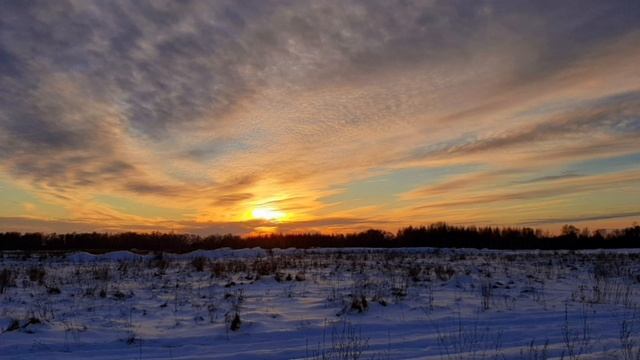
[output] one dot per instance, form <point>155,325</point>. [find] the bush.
<point>7,279</point>
<point>444,273</point>
<point>101,273</point>
<point>235,323</point>
<point>199,263</point>
<point>345,343</point>
<point>13,326</point>
<point>359,304</point>
<point>217,269</point>
<point>37,274</point>
<point>53,290</point>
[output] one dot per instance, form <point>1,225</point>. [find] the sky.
<point>266,116</point>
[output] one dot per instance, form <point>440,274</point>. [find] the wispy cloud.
<point>593,183</point>
<point>568,175</point>
<point>584,218</point>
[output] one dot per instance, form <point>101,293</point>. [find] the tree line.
<point>435,235</point>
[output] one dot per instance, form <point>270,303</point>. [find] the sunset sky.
<point>260,116</point>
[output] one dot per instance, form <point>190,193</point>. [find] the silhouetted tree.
<point>434,235</point>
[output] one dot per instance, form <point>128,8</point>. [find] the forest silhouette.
<point>438,235</point>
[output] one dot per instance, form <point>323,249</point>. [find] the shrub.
<point>265,267</point>
<point>159,262</point>
<point>218,269</point>
<point>414,273</point>
<point>7,279</point>
<point>444,273</point>
<point>345,343</point>
<point>37,274</point>
<point>199,263</point>
<point>235,323</point>
<point>486,291</point>
<point>280,276</point>
<point>53,290</point>
<point>101,273</point>
<point>359,304</point>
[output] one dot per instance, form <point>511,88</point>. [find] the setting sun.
<point>270,214</point>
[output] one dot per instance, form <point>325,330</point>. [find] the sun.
<point>267,213</point>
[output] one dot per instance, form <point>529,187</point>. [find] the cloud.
<point>584,218</point>
<point>218,106</point>
<point>231,199</point>
<point>22,224</point>
<point>551,178</point>
<point>56,138</point>
<point>618,114</point>
<point>586,184</point>
<point>459,183</point>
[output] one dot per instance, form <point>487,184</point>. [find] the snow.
<point>421,303</point>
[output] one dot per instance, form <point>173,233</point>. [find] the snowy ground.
<point>322,304</point>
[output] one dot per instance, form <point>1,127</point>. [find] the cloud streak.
<point>586,218</point>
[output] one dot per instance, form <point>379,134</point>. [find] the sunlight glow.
<point>269,214</point>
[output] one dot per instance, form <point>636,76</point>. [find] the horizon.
<point>284,117</point>
<point>539,232</point>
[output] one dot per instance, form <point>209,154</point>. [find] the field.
<point>322,304</point>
